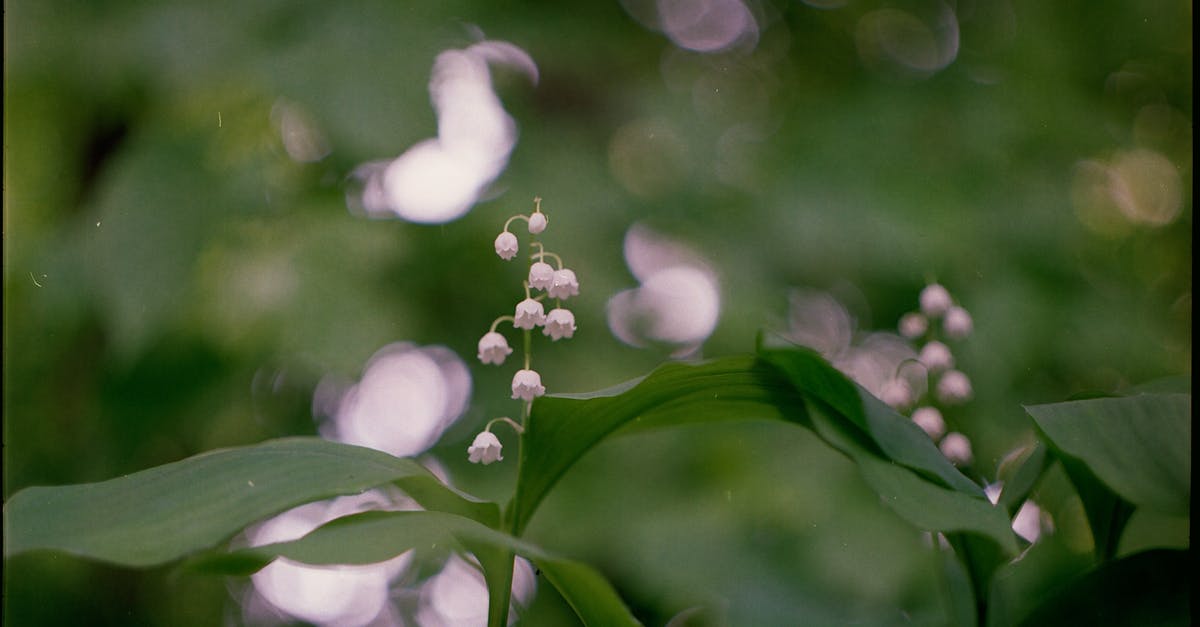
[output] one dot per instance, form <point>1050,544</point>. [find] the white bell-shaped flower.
<point>541,275</point>
<point>485,449</point>
<point>538,222</point>
<point>530,313</point>
<point>527,385</point>
<point>493,348</point>
<point>506,245</point>
<point>935,300</point>
<point>563,285</point>
<point>560,323</point>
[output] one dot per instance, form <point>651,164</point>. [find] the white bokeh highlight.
<point>678,302</point>
<point>328,596</point>
<point>439,179</point>
<point>407,397</point>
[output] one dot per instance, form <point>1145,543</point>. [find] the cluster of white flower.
<point>558,284</point>
<point>938,317</point>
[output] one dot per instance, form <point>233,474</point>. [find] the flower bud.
<point>936,356</point>
<point>538,222</point>
<point>957,448</point>
<point>913,325</point>
<point>896,394</point>
<point>958,324</point>
<point>935,300</point>
<point>954,387</point>
<point>930,420</point>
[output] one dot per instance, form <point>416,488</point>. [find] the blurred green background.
<point>175,282</point>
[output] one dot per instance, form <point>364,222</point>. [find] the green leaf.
<point>1020,471</point>
<point>1021,585</point>
<point>1139,446</point>
<point>162,514</point>
<point>373,537</point>
<point>918,482</point>
<point>897,437</point>
<point>562,428</point>
<point>1151,588</point>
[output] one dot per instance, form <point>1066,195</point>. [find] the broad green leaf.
<point>378,536</point>
<point>897,437</point>
<point>1151,588</point>
<point>1139,446</point>
<point>161,514</point>
<point>1020,471</point>
<point>562,428</point>
<point>1022,584</point>
<point>959,595</point>
<point>925,504</point>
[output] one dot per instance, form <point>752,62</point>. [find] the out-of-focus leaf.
<point>898,438</point>
<point>1022,584</point>
<point>959,593</point>
<point>1020,472</point>
<point>373,537</point>
<point>161,514</point>
<point>1179,384</point>
<point>1139,446</point>
<point>1151,588</point>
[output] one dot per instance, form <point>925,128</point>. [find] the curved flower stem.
<point>516,217</point>
<point>516,427</point>
<point>537,204</point>
<point>528,294</point>
<point>499,320</point>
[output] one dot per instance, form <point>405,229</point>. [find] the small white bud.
<point>485,449</point>
<point>957,448</point>
<point>930,420</point>
<point>935,300</point>
<point>913,325</point>
<point>954,387</point>
<point>936,356</point>
<point>958,324</point>
<point>538,222</point>
<point>506,245</point>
